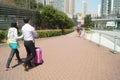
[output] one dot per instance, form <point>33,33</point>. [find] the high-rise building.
<point>110,7</point>
<point>58,4</point>
<point>115,7</point>
<point>84,7</point>
<point>66,6</point>
<point>70,6</point>
<point>99,10</point>
<point>103,7</point>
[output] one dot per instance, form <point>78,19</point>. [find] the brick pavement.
<point>65,57</point>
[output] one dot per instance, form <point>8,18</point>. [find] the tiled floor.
<point>66,57</point>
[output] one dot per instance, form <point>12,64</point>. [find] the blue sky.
<point>92,5</point>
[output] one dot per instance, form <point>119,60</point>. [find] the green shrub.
<point>109,28</point>
<point>66,31</point>
<point>50,33</point>
<point>88,30</point>
<point>41,33</point>
<point>3,35</point>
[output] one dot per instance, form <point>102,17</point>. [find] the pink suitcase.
<point>38,58</point>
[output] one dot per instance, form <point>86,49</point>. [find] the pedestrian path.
<point>66,57</point>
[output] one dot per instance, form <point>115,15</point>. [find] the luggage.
<point>38,58</point>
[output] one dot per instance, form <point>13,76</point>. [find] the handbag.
<point>7,41</point>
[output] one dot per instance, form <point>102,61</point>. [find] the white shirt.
<point>28,32</point>
<point>13,35</point>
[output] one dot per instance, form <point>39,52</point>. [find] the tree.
<point>37,18</point>
<point>53,18</point>
<point>87,21</point>
<point>47,14</point>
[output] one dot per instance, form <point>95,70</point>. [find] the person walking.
<point>78,30</point>
<point>13,44</point>
<point>29,34</point>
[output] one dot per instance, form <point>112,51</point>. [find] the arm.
<point>34,33</point>
<point>8,34</point>
<point>16,35</point>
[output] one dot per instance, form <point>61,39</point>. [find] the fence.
<point>110,41</point>
<point>8,13</point>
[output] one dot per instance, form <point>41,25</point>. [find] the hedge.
<point>50,33</point>
<point>3,35</point>
<point>41,33</point>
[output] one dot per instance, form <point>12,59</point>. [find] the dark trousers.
<point>30,49</point>
<point>13,51</point>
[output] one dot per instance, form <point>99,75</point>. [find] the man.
<point>29,34</point>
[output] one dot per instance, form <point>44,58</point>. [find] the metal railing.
<point>107,40</point>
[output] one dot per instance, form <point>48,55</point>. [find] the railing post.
<point>84,34</point>
<point>91,36</point>
<point>99,39</point>
<point>115,44</point>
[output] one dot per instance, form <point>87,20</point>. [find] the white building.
<point>99,10</point>
<point>66,6</point>
<point>84,7</point>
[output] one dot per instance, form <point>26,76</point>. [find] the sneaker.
<point>9,68</point>
<point>25,66</point>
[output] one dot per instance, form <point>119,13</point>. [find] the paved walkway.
<point>65,57</point>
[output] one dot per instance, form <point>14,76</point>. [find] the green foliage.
<point>88,30</point>
<point>48,16</point>
<point>53,18</point>
<point>51,33</point>
<point>109,28</point>
<point>69,23</point>
<point>37,18</point>
<point>3,35</point>
<point>39,6</point>
<point>60,18</point>
<point>66,31</point>
<point>87,21</point>
<point>41,33</point>
<point>48,33</point>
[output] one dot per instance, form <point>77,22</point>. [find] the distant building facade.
<point>84,7</point>
<point>99,10</point>
<point>66,6</point>
<point>109,7</point>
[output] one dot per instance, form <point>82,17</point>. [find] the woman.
<point>78,30</point>
<point>13,44</point>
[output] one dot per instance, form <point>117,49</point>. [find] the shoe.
<point>25,66</point>
<point>9,68</point>
<point>20,62</point>
<point>30,65</point>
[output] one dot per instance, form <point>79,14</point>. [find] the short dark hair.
<point>26,20</point>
